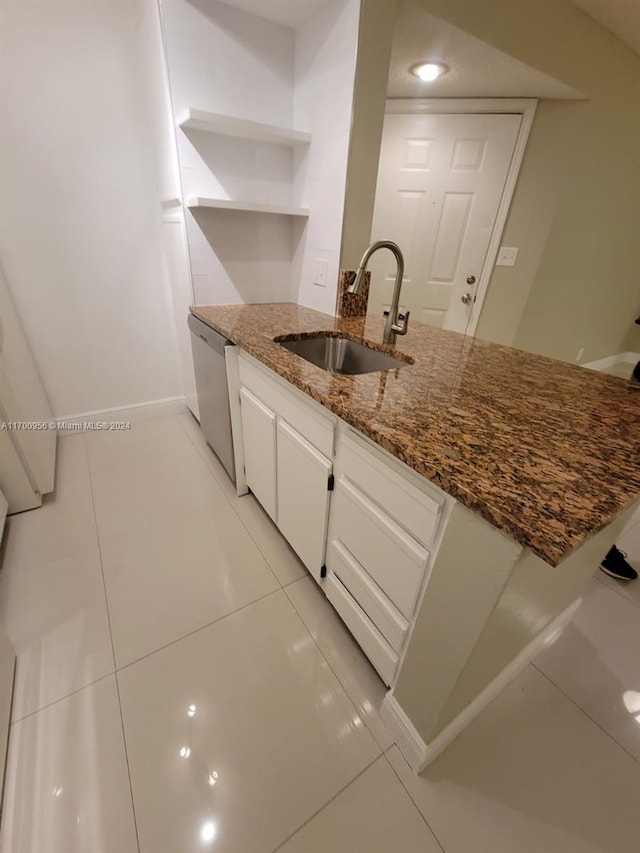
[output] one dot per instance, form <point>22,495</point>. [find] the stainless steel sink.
<point>341,355</point>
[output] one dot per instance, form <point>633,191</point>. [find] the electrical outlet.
<point>507,256</point>
<point>320,272</point>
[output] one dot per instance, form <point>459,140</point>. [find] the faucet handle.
<point>402,326</point>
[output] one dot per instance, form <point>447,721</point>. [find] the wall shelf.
<point>192,119</point>
<point>247,206</point>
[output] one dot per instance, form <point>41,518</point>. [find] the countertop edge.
<point>492,514</point>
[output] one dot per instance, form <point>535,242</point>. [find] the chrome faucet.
<point>396,323</point>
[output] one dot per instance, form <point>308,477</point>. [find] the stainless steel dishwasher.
<point>213,393</point>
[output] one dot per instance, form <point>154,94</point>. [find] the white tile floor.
<point>146,587</point>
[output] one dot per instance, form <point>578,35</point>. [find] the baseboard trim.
<point>403,732</point>
<point>131,414</point>
<point>409,741</point>
<point>605,363</point>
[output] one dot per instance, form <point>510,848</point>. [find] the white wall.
<point>80,232</point>
<point>225,60</point>
<point>325,65</point>
<point>151,74</point>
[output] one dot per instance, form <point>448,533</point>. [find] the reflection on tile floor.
<point>183,685</point>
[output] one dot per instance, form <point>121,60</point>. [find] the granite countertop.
<point>547,452</point>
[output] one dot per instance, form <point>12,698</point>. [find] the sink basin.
<point>341,355</point>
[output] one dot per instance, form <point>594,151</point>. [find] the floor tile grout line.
<point>231,504</point>
<point>7,573</point>
<point>62,698</point>
<point>295,580</point>
<point>242,521</point>
<point>13,573</point>
<point>117,683</point>
<point>197,630</point>
<point>117,668</point>
<point>586,713</point>
<point>616,590</point>
<point>408,793</point>
<point>327,803</point>
<point>328,662</point>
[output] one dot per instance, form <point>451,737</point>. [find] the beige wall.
<point>487,599</point>
<point>575,213</point>
<point>377,21</point>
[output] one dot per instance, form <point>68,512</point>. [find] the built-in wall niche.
<point>262,111</point>
<point>238,164</point>
<point>242,256</point>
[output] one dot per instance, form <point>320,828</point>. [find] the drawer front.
<point>392,558</point>
<point>309,420</point>
<point>387,619</point>
<point>370,640</point>
<point>415,509</point>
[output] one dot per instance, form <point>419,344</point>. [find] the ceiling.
<point>292,13</point>
<point>476,68</point>
<point>621,17</point>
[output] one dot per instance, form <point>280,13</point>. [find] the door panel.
<point>259,440</point>
<point>303,496</point>
<point>440,182</point>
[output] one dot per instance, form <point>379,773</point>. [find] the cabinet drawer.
<point>387,619</point>
<point>370,640</point>
<point>416,509</point>
<point>308,419</point>
<point>393,559</point>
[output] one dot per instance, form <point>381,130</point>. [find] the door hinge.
<point>323,571</point>
<point>331,482</point>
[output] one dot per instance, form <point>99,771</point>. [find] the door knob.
<point>471,279</point>
<point>467,298</point>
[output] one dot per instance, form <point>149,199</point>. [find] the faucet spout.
<point>396,324</point>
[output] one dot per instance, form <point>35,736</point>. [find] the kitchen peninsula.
<point>525,470</point>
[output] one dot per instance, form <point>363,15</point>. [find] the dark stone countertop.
<point>545,451</point>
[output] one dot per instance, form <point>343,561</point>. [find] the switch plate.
<point>507,256</point>
<point>320,272</point>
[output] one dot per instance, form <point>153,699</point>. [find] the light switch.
<point>320,272</point>
<point>507,256</point>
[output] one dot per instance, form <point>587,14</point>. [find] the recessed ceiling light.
<point>429,71</point>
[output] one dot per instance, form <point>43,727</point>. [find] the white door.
<point>259,441</point>
<point>303,497</point>
<point>440,182</point>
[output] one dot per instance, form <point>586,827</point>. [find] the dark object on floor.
<point>636,372</point>
<point>616,565</point>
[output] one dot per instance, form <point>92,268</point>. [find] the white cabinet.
<point>259,439</point>
<point>382,529</point>
<point>303,496</point>
<point>364,525</point>
<point>288,450</point>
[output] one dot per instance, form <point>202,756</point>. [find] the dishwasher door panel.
<point>213,395</point>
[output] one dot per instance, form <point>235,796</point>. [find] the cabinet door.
<point>259,440</point>
<point>303,497</point>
